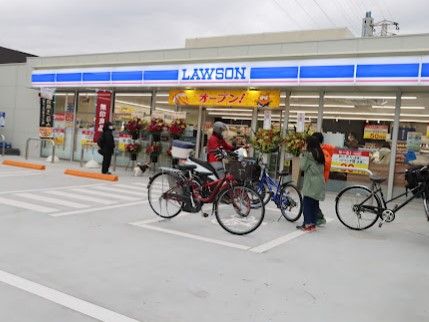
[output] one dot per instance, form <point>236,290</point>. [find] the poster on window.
<point>2,119</point>
<point>351,159</point>
<point>86,137</point>
<point>376,132</point>
<point>102,112</point>
<point>59,135</point>
<point>46,120</point>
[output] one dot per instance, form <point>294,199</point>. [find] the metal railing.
<point>27,144</point>
<point>3,141</point>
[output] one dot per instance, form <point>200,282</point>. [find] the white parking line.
<point>118,190</point>
<point>129,187</point>
<point>104,194</point>
<point>68,301</point>
<point>192,236</point>
<point>54,201</point>
<point>75,212</point>
<point>25,205</point>
<point>281,240</point>
<point>51,188</point>
<point>76,196</point>
<point>20,175</point>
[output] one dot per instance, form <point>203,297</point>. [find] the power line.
<point>379,8</point>
<point>305,10</point>
<point>351,22</point>
<point>388,10</point>
<point>287,14</point>
<point>324,12</point>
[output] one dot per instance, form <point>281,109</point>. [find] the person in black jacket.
<point>107,146</point>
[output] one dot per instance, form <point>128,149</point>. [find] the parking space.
<point>102,252</point>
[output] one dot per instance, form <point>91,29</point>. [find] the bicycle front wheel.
<point>290,202</point>
<point>357,207</point>
<point>235,210</point>
<point>165,195</point>
<point>426,204</point>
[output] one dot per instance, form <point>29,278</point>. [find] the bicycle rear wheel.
<point>165,195</point>
<point>235,210</point>
<point>357,208</point>
<point>290,202</point>
<point>426,204</point>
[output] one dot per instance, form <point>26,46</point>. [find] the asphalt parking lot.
<point>75,249</point>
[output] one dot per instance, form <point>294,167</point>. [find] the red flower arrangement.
<point>156,125</point>
<point>133,148</point>
<point>153,149</point>
<point>134,126</point>
<point>177,127</point>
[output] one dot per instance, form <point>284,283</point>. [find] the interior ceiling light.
<point>305,96</point>
<point>391,107</point>
<point>162,102</point>
<point>325,105</point>
<point>210,109</point>
<point>133,94</point>
<point>370,97</point>
<point>162,94</point>
<point>164,110</point>
<point>132,104</point>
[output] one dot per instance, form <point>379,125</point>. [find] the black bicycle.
<point>359,207</point>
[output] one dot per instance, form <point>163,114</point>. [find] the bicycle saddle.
<point>186,167</point>
<point>377,179</point>
<point>283,173</point>
<point>205,164</point>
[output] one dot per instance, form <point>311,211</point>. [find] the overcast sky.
<point>61,27</point>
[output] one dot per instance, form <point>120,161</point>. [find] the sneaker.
<point>307,228</point>
<point>320,222</point>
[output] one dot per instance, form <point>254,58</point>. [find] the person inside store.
<point>215,142</point>
<point>312,162</point>
<point>106,143</point>
<point>382,156</point>
<point>352,141</point>
<point>328,152</point>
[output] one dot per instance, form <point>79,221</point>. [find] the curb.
<point>27,165</point>
<point>91,175</point>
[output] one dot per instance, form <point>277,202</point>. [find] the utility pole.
<point>368,25</point>
<point>378,29</point>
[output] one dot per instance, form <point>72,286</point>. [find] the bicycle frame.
<point>273,185</point>
<point>378,192</point>
<point>218,185</point>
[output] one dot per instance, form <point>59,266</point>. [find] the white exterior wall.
<point>20,102</point>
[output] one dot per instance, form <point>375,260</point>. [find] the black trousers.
<point>107,159</point>
<point>311,208</point>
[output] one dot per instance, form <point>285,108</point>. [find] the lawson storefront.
<point>374,102</point>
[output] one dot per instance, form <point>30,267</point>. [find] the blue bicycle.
<point>285,195</point>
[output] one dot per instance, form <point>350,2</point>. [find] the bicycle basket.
<point>414,176</point>
<point>245,170</point>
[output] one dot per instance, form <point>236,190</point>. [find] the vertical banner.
<point>46,121</point>
<point>300,122</point>
<point>2,119</point>
<point>267,119</point>
<point>102,112</point>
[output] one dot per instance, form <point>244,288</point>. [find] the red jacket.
<point>215,142</point>
<point>328,151</point>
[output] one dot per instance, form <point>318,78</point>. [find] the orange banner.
<point>227,98</point>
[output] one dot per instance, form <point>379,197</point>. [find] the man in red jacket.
<point>215,142</point>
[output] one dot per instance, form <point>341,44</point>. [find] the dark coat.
<point>106,142</point>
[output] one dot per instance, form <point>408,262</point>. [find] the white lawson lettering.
<point>212,73</point>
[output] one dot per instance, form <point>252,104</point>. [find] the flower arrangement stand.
<point>296,170</point>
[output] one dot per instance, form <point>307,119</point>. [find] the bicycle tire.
<point>234,191</point>
<point>426,204</point>
<point>283,208</point>
<point>341,217</point>
<point>152,191</point>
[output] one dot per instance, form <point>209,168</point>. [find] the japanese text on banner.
<point>102,112</point>
<point>234,98</point>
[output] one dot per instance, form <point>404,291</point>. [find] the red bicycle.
<point>238,209</point>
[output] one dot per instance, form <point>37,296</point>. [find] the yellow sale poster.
<point>227,97</point>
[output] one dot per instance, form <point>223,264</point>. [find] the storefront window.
<point>63,126</point>
<point>85,118</point>
<point>130,106</point>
